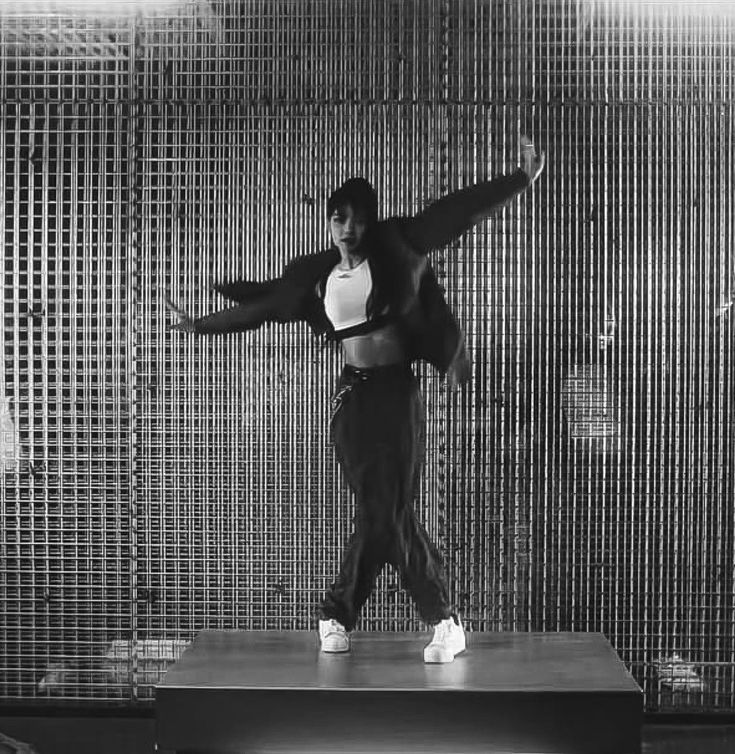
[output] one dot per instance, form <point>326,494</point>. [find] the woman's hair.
<point>358,194</point>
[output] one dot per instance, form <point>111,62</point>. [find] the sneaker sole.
<point>334,649</point>
<point>436,657</point>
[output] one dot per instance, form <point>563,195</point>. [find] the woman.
<point>375,292</point>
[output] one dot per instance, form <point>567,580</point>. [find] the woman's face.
<point>348,227</point>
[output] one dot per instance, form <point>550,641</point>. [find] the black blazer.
<point>397,255</point>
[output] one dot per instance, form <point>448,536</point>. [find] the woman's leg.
<point>414,555</point>
<point>378,434</point>
<point>354,583</point>
<point>422,569</point>
<point>361,435</point>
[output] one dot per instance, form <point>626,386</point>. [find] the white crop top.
<point>346,295</point>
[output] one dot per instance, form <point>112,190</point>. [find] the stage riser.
<point>354,721</point>
<point>275,692</point>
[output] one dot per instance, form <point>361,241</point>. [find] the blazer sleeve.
<point>448,218</point>
<point>278,300</point>
<point>247,316</point>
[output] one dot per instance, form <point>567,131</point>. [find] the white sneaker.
<point>333,636</point>
<point>449,641</point>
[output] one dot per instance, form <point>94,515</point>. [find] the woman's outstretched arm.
<point>244,316</point>
<point>281,299</point>
<point>448,218</point>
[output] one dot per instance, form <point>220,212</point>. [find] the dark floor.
<point>135,735</point>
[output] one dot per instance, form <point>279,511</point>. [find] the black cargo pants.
<point>378,430</point>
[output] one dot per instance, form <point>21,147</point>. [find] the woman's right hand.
<point>531,163</point>
<point>460,369</point>
<point>185,323</point>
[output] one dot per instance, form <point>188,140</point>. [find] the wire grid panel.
<point>65,569</point>
<point>329,51</point>
<point>636,526</point>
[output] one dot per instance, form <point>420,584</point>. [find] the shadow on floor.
<point>136,735</point>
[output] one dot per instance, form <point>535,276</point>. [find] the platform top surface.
<point>493,662</point>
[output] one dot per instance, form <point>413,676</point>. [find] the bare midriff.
<point>376,349</point>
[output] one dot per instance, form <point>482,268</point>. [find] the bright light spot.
<point>9,443</point>
<point>689,7</point>
<point>27,8</point>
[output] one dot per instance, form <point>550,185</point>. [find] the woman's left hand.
<point>531,163</point>
<point>459,371</point>
<point>186,323</point>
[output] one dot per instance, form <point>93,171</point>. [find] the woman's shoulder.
<point>308,267</point>
<point>393,235</point>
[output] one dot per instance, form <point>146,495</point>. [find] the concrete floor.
<point>136,735</point>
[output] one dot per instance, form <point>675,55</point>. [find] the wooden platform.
<point>240,691</point>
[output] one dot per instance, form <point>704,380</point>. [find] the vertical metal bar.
<point>133,287</point>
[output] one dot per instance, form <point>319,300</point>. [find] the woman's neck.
<point>350,259</point>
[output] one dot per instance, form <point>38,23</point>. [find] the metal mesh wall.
<point>156,484</point>
<point>66,523</point>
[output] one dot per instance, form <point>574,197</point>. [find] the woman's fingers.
<point>526,142</point>
<point>175,309</point>
<point>529,159</point>
<point>528,153</point>
<point>170,304</point>
<point>540,162</point>
<point>532,163</point>
<point>186,323</point>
